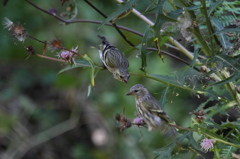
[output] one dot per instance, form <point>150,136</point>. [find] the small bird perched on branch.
<point>114,60</point>
<point>149,109</point>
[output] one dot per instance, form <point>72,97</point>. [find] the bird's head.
<point>121,75</point>
<point>138,91</point>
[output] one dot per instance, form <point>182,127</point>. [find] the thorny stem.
<point>171,84</point>
<point>203,133</point>
<point>219,140</point>
<point>54,59</point>
<point>206,134</point>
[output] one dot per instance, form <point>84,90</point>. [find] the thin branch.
<point>82,20</point>
<point>67,21</point>
<point>59,60</point>
<point>175,57</point>
<point>49,58</point>
<point>114,25</point>
<point>170,83</point>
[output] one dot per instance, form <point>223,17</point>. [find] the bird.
<point>150,110</point>
<point>114,60</point>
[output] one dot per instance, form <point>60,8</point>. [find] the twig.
<point>175,57</point>
<point>114,25</point>
<point>63,48</point>
<point>82,20</point>
<point>59,60</point>
<point>49,58</point>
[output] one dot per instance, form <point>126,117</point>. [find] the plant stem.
<point>49,58</point>
<point>209,25</point>
<point>59,60</point>
<point>171,84</point>
<point>220,140</point>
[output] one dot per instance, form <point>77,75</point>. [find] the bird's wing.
<point>114,58</point>
<point>155,108</point>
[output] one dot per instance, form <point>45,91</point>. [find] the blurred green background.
<point>35,99</point>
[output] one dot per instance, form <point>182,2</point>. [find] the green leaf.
<point>165,152</point>
<point>202,105</point>
<point>79,63</point>
<point>217,109</point>
<point>196,53</point>
<point>90,86</point>
<point>216,153</point>
<point>207,132</point>
<point>123,8</point>
<point>227,152</point>
<point>175,14</point>
<point>227,80</point>
<point>149,8</point>
<point>89,90</point>
<point>213,6</point>
<point>229,30</point>
<point>93,68</point>
<point>193,142</point>
<point>161,18</point>
<point>163,99</point>
<point>223,39</point>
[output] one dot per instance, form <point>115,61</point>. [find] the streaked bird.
<point>114,60</point>
<point>150,110</point>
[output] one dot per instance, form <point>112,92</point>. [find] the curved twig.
<point>114,25</point>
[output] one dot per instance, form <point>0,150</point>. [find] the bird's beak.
<point>125,80</point>
<point>129,93</point>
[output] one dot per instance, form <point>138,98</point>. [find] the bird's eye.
<point>121,77</point>
<point>135,91</point>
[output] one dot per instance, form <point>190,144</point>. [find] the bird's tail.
<point>168,130</point>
